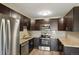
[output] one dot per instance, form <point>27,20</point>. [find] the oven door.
<point>44,42</point>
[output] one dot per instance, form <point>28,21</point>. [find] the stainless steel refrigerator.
<point>9,35</point>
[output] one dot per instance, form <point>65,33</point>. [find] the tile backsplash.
<point>24,34</point>
<point>73,35</point>
<point>58,34</point>
<point>54,34</point>
<point>35,33</point>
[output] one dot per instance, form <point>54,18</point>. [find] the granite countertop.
<point>24,36</point>
<point>70,42</point>
<point>25,39</point>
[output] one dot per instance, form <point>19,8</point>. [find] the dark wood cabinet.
<point>61,24</point>
<point>36,43</point>
<point>4,10</point>
<point>76,19</point>
<point>60,46</point>
<point>32,26</point>
<point>71,50</point>
<point>24,21</point>
<point>38,23</point>
<point>70,21</point>
<point>31,44</point>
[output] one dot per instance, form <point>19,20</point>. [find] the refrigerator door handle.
<point>9,38</point>
<point>1,50</point>
<point>4,36</point>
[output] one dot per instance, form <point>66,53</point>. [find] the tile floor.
<point>43,52</point>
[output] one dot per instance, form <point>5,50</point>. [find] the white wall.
<point>73,35</point>
<point>35,33</point>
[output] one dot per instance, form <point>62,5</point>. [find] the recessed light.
<point>45,13</point>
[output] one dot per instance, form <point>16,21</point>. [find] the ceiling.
<point>31,9</point>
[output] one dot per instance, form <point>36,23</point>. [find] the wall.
<point>35,33</point>
<point>54,34</point>
<point>73,35</point>
<point>60,34</point>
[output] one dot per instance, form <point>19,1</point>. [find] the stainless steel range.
<point>45,37</point>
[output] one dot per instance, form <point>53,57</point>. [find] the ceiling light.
<point>45,13</point>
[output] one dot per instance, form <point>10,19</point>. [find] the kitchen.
<point>45,34</point>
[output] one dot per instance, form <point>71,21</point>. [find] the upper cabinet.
<point>70,22</point>
<point>24,21</point>
<point>4,10</point>
<point>61,24</point>
<point>38,22</point>
<point>76,19</point>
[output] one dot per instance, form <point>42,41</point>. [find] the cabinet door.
<point>36,43</point>
<point>4,10</point>
<point>54,44</point>
<point>31,45</point>
<point>76,19</point>
<point>71,50</point>
<point>24,22</point>
<point>24,48</point>
<point>69,21</point>
<point>61,24</point>
<point>32,26</point>
<point>60,46</point>
<point>38,23</point>
<point>28,23</point>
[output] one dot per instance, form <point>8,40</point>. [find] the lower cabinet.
<point>24,48</point>
<point>31,44</point>
<point>27,47</point>
<point>60,46</point>
<point>36,43</point>
<point>54,44</point>
<point>71,51</point>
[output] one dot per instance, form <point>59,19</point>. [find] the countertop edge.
<point>25,40</point>
<point>67,45</point>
